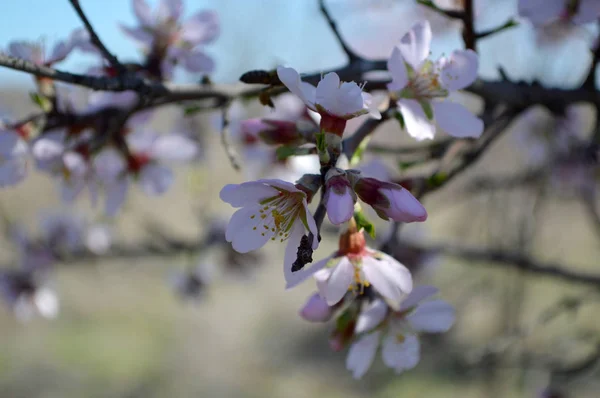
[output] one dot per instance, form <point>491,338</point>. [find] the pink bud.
<point>316,309</point>
<point>390,200</point>
<point>272,132</point>
<point>339,197</point>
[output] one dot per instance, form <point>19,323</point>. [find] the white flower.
<point>36,51</point>
<point>355,266</point>
<point>13,158</point>
<point>270,210</point>
<point>400,345</point>
<point>421,86</point>
<point>541,12</point>
<point>331,97</point>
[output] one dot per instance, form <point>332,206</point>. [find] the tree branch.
<point>469,35</point>
<point>349,52</point>
<point>96,40</point>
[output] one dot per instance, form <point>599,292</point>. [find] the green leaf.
<point>360,151</point>
<point>407,165</point>
<point>344,320</point>
<point>427,109</point>
<point>437,179</point>
<point>363,222</point>
<point>284,152</point>
<point>191,110</point>
<point>400,119</point>
<point>42,102</point>
<point>321,142</point>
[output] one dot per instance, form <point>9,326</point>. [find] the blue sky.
<point>265,33</point>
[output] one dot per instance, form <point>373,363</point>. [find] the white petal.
<point>388,277</point>
<point>401,356</point>
<point>588,11</point>
<point>291,79</point>
<point>457,120</point>
<point>196,61</point>
<point>321,278</point>
<point>143,13</point>
<point>295,278</point>
<point>397,69</point>
<point>59,52</point>
<point>46,303</point>
<point>541,11</point>
<point>361,354</point>
<point>170,10</point>
<point>142,36</point>
<point>174,147</point>
<point>21,50</point>
<point>116,193</point>
<point>339,281</point>
<point>12,172</point>
<point>108,165</point>
<point>418,294</point>
<point>415,44</point>
<point>417,124</point>
<point>238,195</point>
<point>371,316</point>
<point>340,208</point>
<point>459,70</point>
<point>240,230</point>
<point>432,316</point>
<point>201,28</point>
<point>156,179</point>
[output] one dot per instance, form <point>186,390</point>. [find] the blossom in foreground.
<point>541,12</point>
<point>354,266</point>
<point>162,35</point>
<point>36,52</point>
<point>334,100</point>
<point>316,309</point>
<point>13,157</point>
<point>339,197</point>
<point>269,210</point>
<point>397,331</point>
<point>421,86</point>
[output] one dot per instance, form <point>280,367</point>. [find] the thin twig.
<point>449,13</point>
<point>469,35</point>
<point>352,56</point>
<point>229,150</point>
<point>96,40</point>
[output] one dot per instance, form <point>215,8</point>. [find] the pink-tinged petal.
<point>404,207</point>
<point>588,11</point>
<point>371,105</point>
<point>321,278</point>
<point>8,143</point>
<point>48,149</point>
<point>80,39</point>
<point>418,294</point>
<point>115,195</point>
<point>70,190</point>
<point>174,148</point>
<point>390,278</point>
<point>401,354</point>
<point>21,49</point>
<point>340,208</point>
<point>59,52</point>
<point>457,120</point>
<point>361,354</point>
<point>240,231</point>
<point>540,12</point>
<point>415,44</point>
<point>397,69</point>
<point>459,70</point>
<point>417,124</point>
<point>141,35</point>
<point>432,316</point>
<point>285,185</point>
<point>238,195</point>
<point>109,165</point>
<point>12,171</point>
<point>316,309</point>
<point>143,13</point>
<point>170,9</point>
<point>371,316</point>
<point>312,226</point>
<point>291,79</point>
<point>201,28</point>
<point>327,89</point>
<point>156,179</point>
<point>293,279</point>
<point>339,281</point>
<point>196,61</point>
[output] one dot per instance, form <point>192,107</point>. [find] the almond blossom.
<point>421,86</point>
<point>14,152</point>
<point>269,210</point>
<point>26,296</point>
<point>334,100</point>
<point>397,331</point>
<point>541,12</point>
<point>36,52</point>
<point>162,35</point>
<point>355,266</point>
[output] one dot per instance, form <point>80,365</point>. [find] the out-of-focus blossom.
<point>270,210</point>
<point>316,309</point>
<point>421,86</point>
<point>334,100</point>
<point>36,52</point>
<point>191,284</point>
<point>98,238</point>
<point>25,295</point>
<point>13,157</point>
<point>62,231</point>
<point>164,37</point>
<point>542,12</point>
<point>397,331</point>
<point>355,266</point>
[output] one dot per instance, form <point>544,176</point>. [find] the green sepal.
<point>363,222</point>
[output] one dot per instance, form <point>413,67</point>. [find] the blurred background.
<point>123,331</point>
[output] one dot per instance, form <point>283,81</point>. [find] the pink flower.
<point>421,86</point>
<point>36,51</point>
<point>316,309</point>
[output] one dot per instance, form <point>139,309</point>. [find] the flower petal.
<point>459,70</point>
<point>238,195</point>
<point>240,230</point>
<point>201,28</point>
<point>361,354</point>
<point>196,61</point>
<point>340,208</point>
<point>293,279</point>
<point>156,179</point>
<point>418,294</point>
<point>339,281</point>
<point>588,11</point>
<point>417,124</point>
<point>457,120</point>
<point>371,316</point>
<point>115,195</point>
<point>403,355</point>
<point>169,10</point>
<point>415,44</point>
<point>141,35</point>
<point>291,79</point>
<point>432,316</point>
<point>142,12</point>
<point>397,69</point>
<point>390,278</point>
<point>173,147</point>
<point>540,12</point>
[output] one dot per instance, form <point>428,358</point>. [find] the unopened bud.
<point>339,197</point>
<point>273,132</point>
<point>316,309</point>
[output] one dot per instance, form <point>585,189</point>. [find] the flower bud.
<point>273,132</point>
<point>309,184</point>
<point>316,309</point>
<point>390,201</point>
<point>339,197</point>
